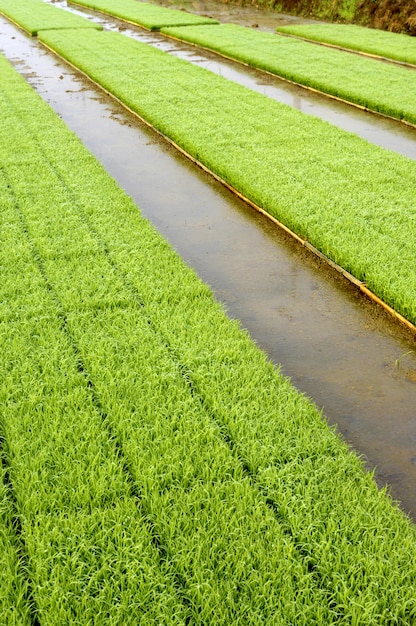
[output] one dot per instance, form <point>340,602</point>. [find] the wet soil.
<point>340,349</point>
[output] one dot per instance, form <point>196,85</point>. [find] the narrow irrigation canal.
<point>342,350</point>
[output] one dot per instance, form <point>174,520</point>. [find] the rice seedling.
<point>215,531</point>
<point>74,545</point>
<point>352,200</point>
<point>34,15</point>
<point>379,87</point>
<point>150,16</point>
<point>396,46</point>
<point>164,471</point>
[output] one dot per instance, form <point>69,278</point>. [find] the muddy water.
<point>381,131</point>
<point>340,349</point>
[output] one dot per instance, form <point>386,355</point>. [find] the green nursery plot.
<point>380,87</point>
<point>217,532</point>
<point>82,551</point>
<point>350,199</point>
<point>396,46</point>
<point>35,15</point>
<point>163,469</point>
<point>150,16</point>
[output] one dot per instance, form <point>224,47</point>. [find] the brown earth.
<point>392,15</point>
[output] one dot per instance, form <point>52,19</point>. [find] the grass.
<point>379,87</point>
<point>162,469</point>
<point>382,43</point>
<point>34,16</point>
<point>148,15</point>
<point>352,200</point>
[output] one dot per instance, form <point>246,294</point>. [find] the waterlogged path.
<point>340,349</point>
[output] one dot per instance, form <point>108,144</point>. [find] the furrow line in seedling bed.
<point>326,185</point>
<point>17,605</point>
<point>178,454</point>
<point>394,47</point>
<point>124,461</point>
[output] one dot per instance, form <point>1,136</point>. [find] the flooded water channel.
<point>356,362</point>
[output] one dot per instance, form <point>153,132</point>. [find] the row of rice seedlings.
<point>360,549</point>
<point>87,553</point>
<point>91,556</point>
<point>352,200</point>
<point>396,46</point>
<point>150,16</point>
<point>354,540</point>
<point>236,563</point>
<point>15,605</point>
<point>34,15</point>
<point>285,444</point>
<point>379,87</point>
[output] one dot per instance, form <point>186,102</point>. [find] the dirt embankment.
<point>394,15</point>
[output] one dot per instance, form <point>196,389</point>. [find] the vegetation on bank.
<point>352,200</point>
<point>34,15</point>
<point>397,16</point>
<point>161,469</point>
<point>380,87</point>
<point>394,46</point>
<point>145,14</point>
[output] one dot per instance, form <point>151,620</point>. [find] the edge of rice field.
<point>101,309</point>
<point>25,15</point>
<point>142,14</point>
<point>338,36</point>
<point>286,80</point>
<point>378,57</point>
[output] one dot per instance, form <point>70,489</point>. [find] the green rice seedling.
<point>351,200</point>
<point>150,16</point>
<point>90,553</point>
<point>296,459</point>
<point>236,563</point>
<point>216,531</point>
<point>396,46</point>
<point>163,469</point>
<point>204,511</point>
<point>34,15</point>
<point>379,87</point>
